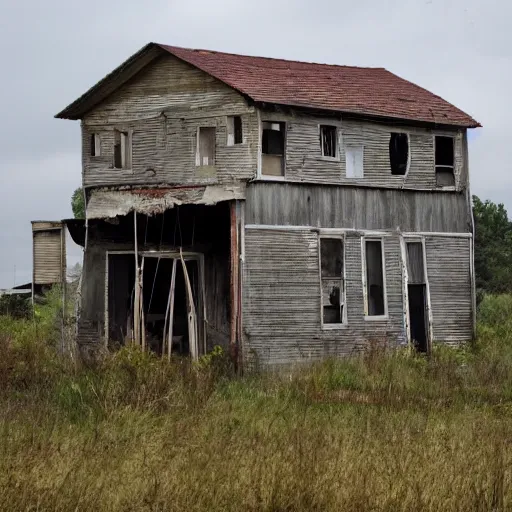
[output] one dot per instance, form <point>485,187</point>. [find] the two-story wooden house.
<point>287,210</point>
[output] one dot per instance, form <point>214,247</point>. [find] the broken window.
<point>375,289</point>
<point>122,150</point>
<point>235,134</point>
<point>332,280</point>
<point>95,144</point>
<point>398,153</point>
<point>354,162</point>
<point>205,153</point>
<point>415,267</point>
<point>444,161</point>
<point>328,139</point>
<point>272,148</point>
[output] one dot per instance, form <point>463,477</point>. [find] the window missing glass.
<point>122,150</point>
<point>328,140</point>
<point>332,280</point>
<point>205,152</point>
<point>444,161</point>
<point>354,162</point>
<point>398,153</point>
<point>272,148</point>
<point>374,270</point>
<point>235,133</point>
<point>95,144</point>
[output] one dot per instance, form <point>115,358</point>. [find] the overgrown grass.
<point>382,431</point>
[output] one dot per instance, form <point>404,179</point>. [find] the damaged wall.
<point>162,108</point>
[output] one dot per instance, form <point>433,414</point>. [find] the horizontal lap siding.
<point>282,299</point>
<point>48,251</point>
<point>448,267</point>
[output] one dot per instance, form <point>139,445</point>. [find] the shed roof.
<point>373,92</point>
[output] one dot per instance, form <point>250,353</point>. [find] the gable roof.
<point>373,92</point>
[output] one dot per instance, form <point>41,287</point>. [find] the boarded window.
<point>398,153</point>
<point>332,280</point>
<point>235,134</point>
<point>444,161</point>
<point>375,290</point>
<point>328,139</point>
<point>272,148</point>
<point>415,268</point>
<point>95,144</point>
<point>122,150</point>
<point>205,154</point>
<point>354,161</point>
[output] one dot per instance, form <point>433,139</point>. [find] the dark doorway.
<point>417,316</point>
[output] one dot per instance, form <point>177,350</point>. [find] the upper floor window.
<point>272,148</point>
<point>444,161</point>
<point>375,296</point>
<point>354,161</point>
<point>122,150</point>
<point>95,144</point>
<point>235,133</point>
<point>328,140</point>
<point>399,153</point>
<point>205,151</point>
<point>332,281</point>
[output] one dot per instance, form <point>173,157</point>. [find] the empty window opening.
<point>332,280</point>
<point>122,150</point>
<point>95,145</point>
<point>272,148</point>
<point>354,162</point>
<point>444,161</point>
<point>328,140</point>
<point>398,153</point>
<point>235,133</point>
<point>205,154</point>
<point>417,296</point>
<point>375,291</point>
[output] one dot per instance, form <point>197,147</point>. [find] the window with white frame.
<point>122,150</point>
<point>329,140</point>
<point>375,279</point>
<point>354,162</point>
<point>235,133</point>
<point>205,151</point>
<point>95,144</point>
<point>444,161</point>
<point>273,142</point>
<point>332,280</point>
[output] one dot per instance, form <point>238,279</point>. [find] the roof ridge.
<point>205,50</point>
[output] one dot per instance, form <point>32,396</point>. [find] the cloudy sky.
<point>54,50</point>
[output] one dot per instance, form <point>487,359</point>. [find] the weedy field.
<point>380,431</point>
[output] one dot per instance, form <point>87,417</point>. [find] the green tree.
<point>78,203</point>
<point>493,247</point>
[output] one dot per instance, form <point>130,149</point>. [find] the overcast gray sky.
<point>54,50</point>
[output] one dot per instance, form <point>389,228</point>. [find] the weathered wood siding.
<point>304,160</point>
<point>163,106</point>
<point>358,208</point>
<point>448,268</point>
<point>281,299</point>
<point>49,253</point>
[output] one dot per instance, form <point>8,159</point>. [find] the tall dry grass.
<point>382,431</point>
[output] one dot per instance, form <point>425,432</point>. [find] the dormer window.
<point>444,161</point>
<point>328,141</point>
<point>122,150</point>
<point>95,144</point>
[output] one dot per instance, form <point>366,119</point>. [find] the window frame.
<point>445,167</point>
<point>381,239</point>
<point>352,147</point>
<point>126,149</point>
<point>95,143</point>
<point>261,174</point>
<point>409,152</point>
<point>336,157</point>
<point>198,155</point>
<point>343,279</point>
<point>230,131</point>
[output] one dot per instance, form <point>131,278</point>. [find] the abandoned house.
<point>284,210</point>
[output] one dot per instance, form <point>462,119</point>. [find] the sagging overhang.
<point>109,203</point>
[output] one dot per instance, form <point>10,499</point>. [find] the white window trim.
<point>335,158</point>
<point>259,170</point>
<point>344,319</point>
<point>380,239</point>
<point>452,167</point>
<point>230,131</point>
<point>353,146</point>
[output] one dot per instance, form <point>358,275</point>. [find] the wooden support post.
<point>234,262</point>
<point>169,314</point>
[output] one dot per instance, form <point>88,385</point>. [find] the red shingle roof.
<point>363,91</point>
